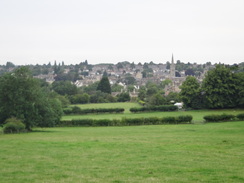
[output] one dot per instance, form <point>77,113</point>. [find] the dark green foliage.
<point>128,121</point>
<point>157,100</point>
<point>102,122</point>
<point>83,122</point>
<point>240,116</point>
<point>123,97</point>
<point>220,88</point>
<point>80,99</point>
<point>182,119</point>
<point>154,108</point>
<point>218,118</point>
<point>169,120</point>
<point>21,96</point>
<point>64,88</point>
<point>104,85</point>
<point>151,121</point>
<point>13,125</point>
<point>77,110</point>
<point>190,93</point>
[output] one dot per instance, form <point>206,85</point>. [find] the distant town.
<point>124,73</point>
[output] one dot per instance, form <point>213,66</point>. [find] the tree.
<point>239,77</point>
<point>220,88</point>
<point>190,93</point>
<point>157,99</point>
<point>22,97</point>
<point>123,97</point>
<point>173,96</point>
<point>142,93</point>
<point>104,85</point>
<point>165,82</point>
<point>64,88</point>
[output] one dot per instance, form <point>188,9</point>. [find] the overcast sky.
<point>110,31</point>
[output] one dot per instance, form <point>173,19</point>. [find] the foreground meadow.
<point>166,153</point>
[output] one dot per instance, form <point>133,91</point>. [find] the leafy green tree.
<point>240,89</point>
<point>116,87</point>
<point>157,99</point>
<point>80,99</point>
<point>220,88</point>
<point>142,93</point>
<point>165,82</point>
<point>173,96</point>
<point>190,92</point>
<point>22,97</point>
<point>104,85</point>
<point>64,88</point>
<point>123,97</point>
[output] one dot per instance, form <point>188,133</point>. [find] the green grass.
<point>197,114</point>
<point>167,153</point>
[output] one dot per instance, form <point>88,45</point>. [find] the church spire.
<point>172,68</point>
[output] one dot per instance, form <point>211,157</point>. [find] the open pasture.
<point>167,153</point>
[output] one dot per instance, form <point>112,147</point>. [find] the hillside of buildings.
<point>124,76</point>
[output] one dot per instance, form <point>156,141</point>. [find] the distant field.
<point>139,154</point>
<point>197,114</point>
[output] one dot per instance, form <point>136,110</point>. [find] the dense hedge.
<point>240,116</point>
<point>154,108</point>
<point>128,121</point>
<point>219,117</point>
<point>77,110</point>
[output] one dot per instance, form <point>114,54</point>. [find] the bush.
<point>154,108</point>
<point>77,110</point>
<point>184,119</point>
<point>240,116</point>
<point>218,118</point>
<point>82,122</point>
<point>13,125</point>
<point>169,120</point>
<point>151,121</point>
<point>102,122</point>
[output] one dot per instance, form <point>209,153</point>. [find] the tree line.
<point>222,87</point>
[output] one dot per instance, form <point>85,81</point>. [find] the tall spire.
<point>172,67</point>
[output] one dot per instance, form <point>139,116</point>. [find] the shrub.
<point>133,121</point>
<point>240,116</point>
<point>154,108</point>
<point>184,119</point>
<point>13,125</point>
<point>217,118</point>
<point>102,122</point>
<point>67,111</point>
<point>169,120</point>
<point>82,122</point>
<point>76,110</point>
<point>151,121</point>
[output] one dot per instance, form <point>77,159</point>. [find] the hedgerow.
<point>128,121</point>
<point>154,108</point>
<point>77,110</point>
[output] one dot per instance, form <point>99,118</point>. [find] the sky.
<point>111,31</point>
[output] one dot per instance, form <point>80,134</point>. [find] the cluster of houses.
<point>116,74</point>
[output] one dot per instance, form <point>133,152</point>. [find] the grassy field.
<point>197,114</point>
<point>167,153</point>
